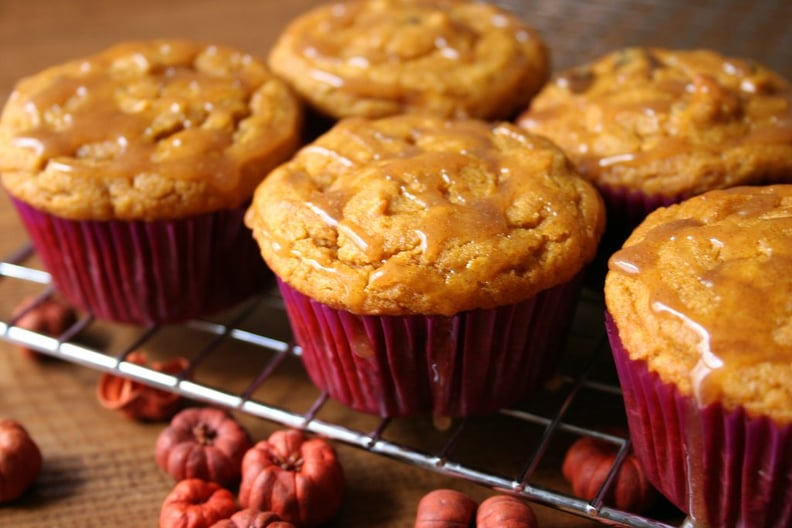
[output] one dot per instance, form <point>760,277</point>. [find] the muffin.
<point>376,58</point>
<point>651,127</point>
<point>700,324</point>
<point>131,170</point>
<point>428,265</point>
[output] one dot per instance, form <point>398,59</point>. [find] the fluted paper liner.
<point>148,272</point>
<point>471,363</point>
<point>722,467</point>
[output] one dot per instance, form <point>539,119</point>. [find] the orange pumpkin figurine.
<point>252,518</point>
<point>445,508</point>
<point>137,401</point>
<point>196,503</point>
<point>505,511</point>
<point>20,460</point>
<point>205,443</point>
<point>587,464</point>
<point>299,478</point>
<point>50,316</point>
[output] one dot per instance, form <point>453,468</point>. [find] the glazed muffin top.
<point>702,290</point>
<point>375,58</point>
<point>146,130</point>
<point>419,214</point>
<point>669,123</point>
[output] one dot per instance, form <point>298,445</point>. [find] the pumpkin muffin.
<point>653,126</point>
<point>132,169</point>
<point>375,58</point>
<point>428,265</point>
<point>700,323</point>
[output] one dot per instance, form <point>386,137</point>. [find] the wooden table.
<point>99,468</point>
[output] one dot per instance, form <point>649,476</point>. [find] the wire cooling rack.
<point>572,406</point>
<point>584,397</point>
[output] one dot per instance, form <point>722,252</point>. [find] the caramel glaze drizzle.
<point>713,93</point>
<point>433,190</point>
<point>714,276</point>
<point>427,180</point>
<point>359,36</point>
<point>81,123</point>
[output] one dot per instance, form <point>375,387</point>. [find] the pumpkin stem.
<point>204,434</point>
<point>293,463</point>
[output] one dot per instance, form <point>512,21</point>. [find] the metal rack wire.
<point>442,458</point>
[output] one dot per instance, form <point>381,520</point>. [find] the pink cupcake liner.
<point>721,467</point>
<point>626,209</point>
<point>472,363</point>
<point>148,272</point>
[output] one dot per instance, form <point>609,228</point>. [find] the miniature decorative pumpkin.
<point>196,503</point>
<point>138,401</point>
<point>50,316</point>
<point>505,511</point>
<point>20,460</point>
<point>445,508</point>
<point>300,479</point>
<point>587,464</point>
<point>252,518</point>
<point>205,443</point>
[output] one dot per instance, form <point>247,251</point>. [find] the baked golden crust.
<point>701,291</point>
<point>146,130</point>
<point>374,58</point>
<point>419,214</point>
<point>669,123</point>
